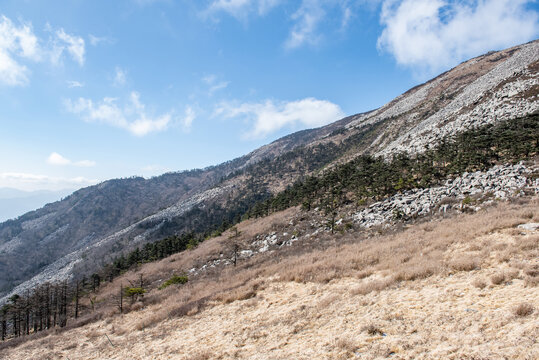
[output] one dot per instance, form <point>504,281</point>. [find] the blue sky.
<point>92,90</point>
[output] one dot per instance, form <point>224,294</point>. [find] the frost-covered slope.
<point>493,87</point>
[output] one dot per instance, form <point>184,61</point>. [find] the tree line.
<point>373,178</point>
<point>44,307</point>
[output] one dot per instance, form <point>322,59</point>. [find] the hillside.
<point>460,286</point>
<point>94,225</point>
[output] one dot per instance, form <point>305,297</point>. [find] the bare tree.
<point>77,288</point>
<point>233,244</point>
<point>121,299</point>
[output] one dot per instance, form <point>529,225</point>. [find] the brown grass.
<point>375,263</point>
<point>511,274</point>
<point>479,283</point>
<point>497,278</point>
<point>417,253</point>
<point>201,355</point>
<point>523,309</point>
<point>467,263</point>
<point>530,243</point>
<point>531,281</point>
<point>347,344</point>
<point>372,285</point>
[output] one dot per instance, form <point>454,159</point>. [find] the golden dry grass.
<point>426,292</point>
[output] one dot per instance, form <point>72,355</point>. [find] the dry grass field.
<point>463,287</point>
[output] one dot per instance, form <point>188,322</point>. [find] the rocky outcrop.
<point>463,192</point>
<point>493,87</point>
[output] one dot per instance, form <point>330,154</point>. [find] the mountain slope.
<point>462,287</point>
<point>94,224</point>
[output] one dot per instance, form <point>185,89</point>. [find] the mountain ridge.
<point>107,219</point>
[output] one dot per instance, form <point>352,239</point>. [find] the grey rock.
<point>529,226</point>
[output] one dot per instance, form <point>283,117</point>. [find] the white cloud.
<point>120,77</point>
<point>16,43</point>
<point>240,9</point>
<point>19,44</point>
<point>131,117</point>
<point>96,40</point>
<point>346,16</point>
<point>213,84</point>
<point>430,35</point>
<point>312,14</point>
<point>307,18</point>
<point>74,84</point>
<point>268,117</point>
<point>58,160</point>
<point>73,44</point>
<point>188,118</point>
<point>32,182</point>
<point>148,2</point>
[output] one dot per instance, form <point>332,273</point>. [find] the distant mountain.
<point>14,203</point>
<point>93,225</point>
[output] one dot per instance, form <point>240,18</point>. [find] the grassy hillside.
<point>463,287</point>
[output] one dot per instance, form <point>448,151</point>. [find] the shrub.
<point>202,355</point>
<point>531,280</point>
<point>498,278</point>
<point>512,274</point>
<point>465,264</point>
<point>175,279</point>
<point>347,344</point>
<point>523,309</point>
<point>372,329</point>
<point>370,286</point>
<point>479,283</point>
<point>134,292</point>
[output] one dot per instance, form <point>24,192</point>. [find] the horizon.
<point>97,91</point>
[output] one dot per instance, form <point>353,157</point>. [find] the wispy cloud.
<point>31,182</point>
<point>314,18</point>
<point>213,84</point>
<point>19,44</point>
<point>430,35</point>
<point>269,116</point>
<point>58,160</point>
<point>188,118</point>
<point>96,40</point>
<point>74,84</point>
<point>132,116</point>
<point>120,77</point>
<point>149,2</point>
<point>306,20</point>
<point>347,15</point>
<point>241,9</point>
<point>16,43</point>
<point>74,45</point>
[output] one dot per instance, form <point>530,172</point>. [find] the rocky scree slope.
<point>102,221</point>
<point>468,193</point>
